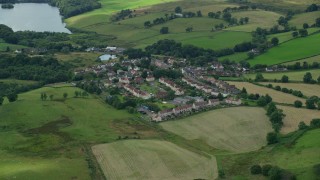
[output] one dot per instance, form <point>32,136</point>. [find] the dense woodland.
<point>22,67</point>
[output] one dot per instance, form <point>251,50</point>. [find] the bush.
<point>298,104</point>
<point>302,126</point>
<point>272,138</point>
<point>275,173</point>
<point>315,123</point>
<point>316,169</point>
<point>255,169</point>
<point>265,169</point>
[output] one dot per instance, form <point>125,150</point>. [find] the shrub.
<point>272,138</point>
<point>298,104</point>
<point>275,173</point>
<point>315,123</point>
<point>302,125</point>
<point>316,169</point>
<point>255,169</point>
<point>265,169</point>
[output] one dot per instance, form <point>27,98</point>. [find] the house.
<point>138,80</point>
<point>233,101</point>
<point>178,91</point>
<point>124,80</point>
<point>183,109</point>
<point>161,95</point>
<point>150,79</point>
<point>137,92</point>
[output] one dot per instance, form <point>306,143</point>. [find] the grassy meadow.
<point>237,129</point>
<point>293,75</point>
<point>300,19</point>
<point>79,59</point>
<point>277,96</point>
<point>308,60</point>
<point>292,50</point>
<point>152,159</point>
<point>294,116</point>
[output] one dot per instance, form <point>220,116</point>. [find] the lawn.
<point>258,18</point>
<point>152,159</point>
<point>237,129</point>
<point>292,50</point>
<point>295,115</point>
<point>307,89</point>
<point>293,75</point>
<point>277,96</point>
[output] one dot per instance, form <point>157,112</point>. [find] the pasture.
<point>277,96</point>
<point>294,116</point>
<point>286,4</point>
<point>307,89</point>
<point>42,138</point>
<point>293,75</point>
<point>238,129</point>
<point>152,159</point>
<point>292,50</point>
<point>308,60</point>
<point>299,158</point>
<point>309,18</point>
<point>257,18</point>
<point>237,57</point>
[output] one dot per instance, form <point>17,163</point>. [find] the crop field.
<point>152,159</point>
<point>308,60</point>
<point>290,51</point>
<point>307,89</point>
<point>295,115</point>
<point>79,59</point>
<point>299,158</point>
<point>258,18</point>
<point>277,96</point>
<point>300,19</point>
<point>293,75</point>
<point>237,129</point>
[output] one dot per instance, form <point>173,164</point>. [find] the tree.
<point>244,91</point>
<point>318,79</point>
<point>265,169</point>
<point>220,97</point>
<point>307,78</point>
<point>312,7</point>
<point>310,104</point>
<point>316,169</point>
<point>178,10</point>
<point>65,95</point>
<point>147,24</point>
<point>255,169</point>
<point>285,79</point>
<point>272,138</point>
<point>259,77</point>
<point>303,32</point>
<point>315,123</point>
<point>275,41</point>
<point>298,104</point>
<point>295,34</point>
<point>45,96</point>
<point>164,30</point>
<point>268,98</point>
<point>12,97</point>
<point>144,74</point>
<point>262,101</point>
<point>302,125</point>
<point>271,108</point>
<point>199,13</point>
<point>317,22</point>
<point>1,100</point>
<point>275,173</point>
<point>76,94</point>
<point>51,97</point>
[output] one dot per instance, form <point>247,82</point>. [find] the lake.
<point>107,57</point>
<point>37,17</point>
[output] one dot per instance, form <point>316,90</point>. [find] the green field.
<point>293,75</point>
<point>43,137</point>
<point>237,57</point>
<point>234,129</point>
<point>79,59</point>
<point>290,51</point>
<point>298,158</point>
<point>152,159</point>
<point>258,18</point>
<point>287,4</point>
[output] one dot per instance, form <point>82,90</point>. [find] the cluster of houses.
<point>178,91</point>
<point>200,86</point>
<point>222,85</point>
<point>189,108</point>
<point>137,92</point>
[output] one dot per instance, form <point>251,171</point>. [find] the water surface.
<point>37,17</point>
